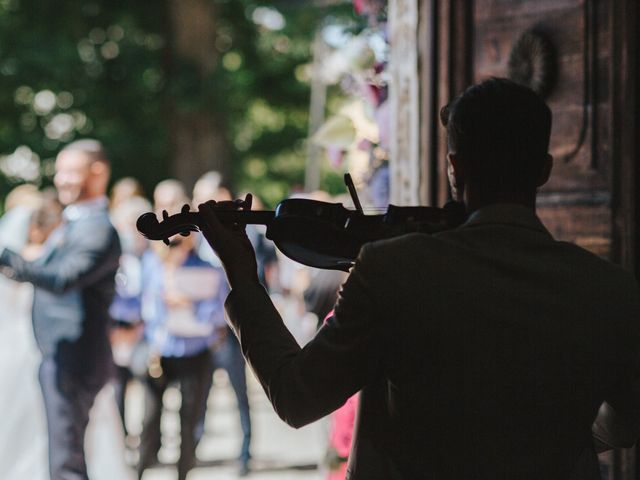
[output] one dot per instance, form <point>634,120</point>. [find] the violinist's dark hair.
<point>500,130</point>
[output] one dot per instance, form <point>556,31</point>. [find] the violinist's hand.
<point>230,243</point>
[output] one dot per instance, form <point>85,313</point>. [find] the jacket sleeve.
<point>86,258</point>
<point>305,384</point>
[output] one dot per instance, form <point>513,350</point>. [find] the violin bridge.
<point>348,181</point>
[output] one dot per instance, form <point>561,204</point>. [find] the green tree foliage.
<point>77,68</point>
<point>74,68</point>
<point>264,90</point>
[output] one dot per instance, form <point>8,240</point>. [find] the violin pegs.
<point>166,241</point>
<point>186,208</point>
<point>165,214</point>
<point>247,201</point>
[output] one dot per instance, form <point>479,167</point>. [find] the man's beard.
<point>68,196</point>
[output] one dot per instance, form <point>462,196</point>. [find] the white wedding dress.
<point>23,435</point>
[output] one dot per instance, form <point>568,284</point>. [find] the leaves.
<point>100,68</point>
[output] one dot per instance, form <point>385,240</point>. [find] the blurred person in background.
<point>183,314</point>
<point>127,327</point>
<point>74,283</point>
<point>321,293</point>
<point>44,221</point>
<point>227,355</point>
<point>124,189</point>
<point>23,436</point>
<point>167,194</point>
<point>207,186</point>
<point>25,196</point>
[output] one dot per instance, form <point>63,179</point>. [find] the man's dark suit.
<point>74,284</point>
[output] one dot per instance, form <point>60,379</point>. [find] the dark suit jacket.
<point>74,286</point>
<point>483,352</point>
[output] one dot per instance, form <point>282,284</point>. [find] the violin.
<point>317,234</point>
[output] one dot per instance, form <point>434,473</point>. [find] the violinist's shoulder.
<point>404,257</point>
<point>406,240</point>
<point>403,245</point>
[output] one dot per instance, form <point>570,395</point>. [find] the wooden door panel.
<point>575,204</point>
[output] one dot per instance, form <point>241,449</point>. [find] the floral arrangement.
<point>356,137</point>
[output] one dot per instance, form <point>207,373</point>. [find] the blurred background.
<point>193,100</point>
<point>175,88</point>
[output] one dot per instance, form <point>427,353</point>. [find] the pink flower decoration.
<point>364,145</point>
<point>359,6</point>
<point>368,7</point>
<point>335,156</point>
<point>371,93</point>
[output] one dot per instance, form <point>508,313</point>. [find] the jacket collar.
<point>510,214</point>
<point>79,210</point>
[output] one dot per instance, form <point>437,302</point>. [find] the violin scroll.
<point>182,223</point>
<point>187,221</point>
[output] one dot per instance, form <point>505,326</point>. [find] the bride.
<point>23,438</point>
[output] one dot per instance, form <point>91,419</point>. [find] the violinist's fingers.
<point>212,227</point>
<point>211,222</point>
<point>207,208</point>
<point>211,204</point>
<point>225,205</point>
<point>231,244</point>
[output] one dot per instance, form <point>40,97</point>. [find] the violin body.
<point>318,234</point>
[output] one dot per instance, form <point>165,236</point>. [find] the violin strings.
<point>374,210</point>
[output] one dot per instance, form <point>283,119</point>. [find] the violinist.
<point>489,351</point>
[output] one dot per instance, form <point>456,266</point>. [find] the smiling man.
<point>74,286</point>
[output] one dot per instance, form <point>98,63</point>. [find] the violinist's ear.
<point>453,163</point>
<point>455,172</point>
